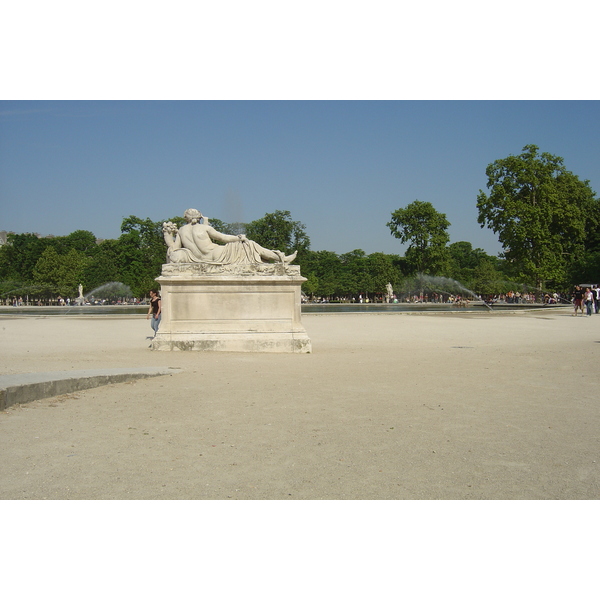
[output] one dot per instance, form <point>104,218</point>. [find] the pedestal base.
<point>231,308</point>
<point>225,342</point>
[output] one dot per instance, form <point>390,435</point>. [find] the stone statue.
<point>390,292</point>
<point>217,294</point>
<point>193,243</point>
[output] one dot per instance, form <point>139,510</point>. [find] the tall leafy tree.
<point>80,240</point>
<point>487,279</point>
<point>464,260</point>
<point>540,211</point>
<point>425,230</point>
<point>586,267</point>
<point>20,254</point>
<point>61,274</point>
<point>104,266</point>
<point>142,252</point>
<point>383,270</point>
<point>355,278</point>
<point>277,231</point>
<point>322,269</point>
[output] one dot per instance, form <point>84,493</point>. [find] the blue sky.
<point>339,167</point>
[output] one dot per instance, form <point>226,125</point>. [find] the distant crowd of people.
<point>60,301</point>
<point>437,298</point>
<point>587,297</point>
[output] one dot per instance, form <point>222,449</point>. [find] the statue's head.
<point>193,216</point>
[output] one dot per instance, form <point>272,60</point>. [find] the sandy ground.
<point>388,406</point>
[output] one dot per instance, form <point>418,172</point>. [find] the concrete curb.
<point>27,387</point>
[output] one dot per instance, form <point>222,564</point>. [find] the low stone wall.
<point>27,387</point>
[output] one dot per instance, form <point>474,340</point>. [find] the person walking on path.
<point>578,299</point>
<point>589,301</point>
<point>155,311</point>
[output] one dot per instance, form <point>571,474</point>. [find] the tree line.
<point>547,220</point>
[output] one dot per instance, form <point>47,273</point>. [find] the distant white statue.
<point>193,243</point>
<point>390,292</point>
<point>80,299</point>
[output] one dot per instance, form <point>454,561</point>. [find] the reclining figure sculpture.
<point>193,243</point>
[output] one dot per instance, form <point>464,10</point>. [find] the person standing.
<point>589,301</point>
<point>155,311</point>
<point>596,292</point>
<point>578,299</point>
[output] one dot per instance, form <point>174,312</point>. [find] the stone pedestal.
<point>231,308</point>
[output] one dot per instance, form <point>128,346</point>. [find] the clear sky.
<point>339,167</point>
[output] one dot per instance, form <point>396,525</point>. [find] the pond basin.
<point>371,307</point>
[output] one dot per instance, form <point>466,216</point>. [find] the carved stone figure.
<point>389,293</point>
<point>193,243</point>
<point>80,299</point>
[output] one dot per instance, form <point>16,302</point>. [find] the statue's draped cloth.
<point>238,252</point>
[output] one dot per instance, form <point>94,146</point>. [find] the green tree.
<point>486,278</point>
<point>322,269</point>
<point>277,231</point>
<point>464,256</point>
<point>141,253</point>
<point>425,231</point>
<point>355,277</point>
<point>60,274</point>
<point>464,259</point>
<point>311,286</point>
<point>540,211</point>
<point>585,267</point>
<point>20,254</point>
<point>104,266</point>
<point>383,270</point>
<point>80,240</point>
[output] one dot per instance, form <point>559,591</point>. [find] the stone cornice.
<point>239,269</point>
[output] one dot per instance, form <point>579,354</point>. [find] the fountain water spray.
<point>446,284</point>
<point>112,289</point>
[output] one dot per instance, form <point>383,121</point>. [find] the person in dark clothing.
<point>155,311</point>
<point>578,299</point>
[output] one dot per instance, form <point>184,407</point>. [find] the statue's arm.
<point>172,237</point>
<point>223,237</point>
